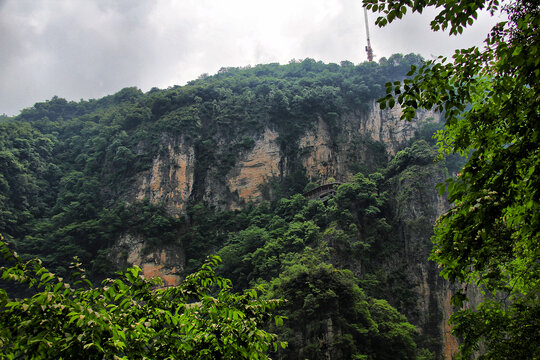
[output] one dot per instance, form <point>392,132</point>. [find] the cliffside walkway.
<point>323,192</point>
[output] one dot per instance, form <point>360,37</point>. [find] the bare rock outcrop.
<point>170,181</point>
<point>164,261</point>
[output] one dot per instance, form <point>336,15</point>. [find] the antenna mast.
<point>369,50</point>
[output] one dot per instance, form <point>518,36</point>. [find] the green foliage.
<point>329,316</point>
<point>25,176</point>
<point>130,318</point>
<point>420,153</point>
<point>258,243</point>
<point>427,131</point>
<point>489,100</point>
<point>4,118</point>
<point>272,236</point>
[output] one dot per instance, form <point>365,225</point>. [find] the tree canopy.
<point>490,100</point>
<point>319,298</point>
<point>130,318</point>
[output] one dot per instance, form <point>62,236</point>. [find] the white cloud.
<point>90,48</point>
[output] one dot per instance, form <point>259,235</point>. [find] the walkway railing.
<point>323,191</point>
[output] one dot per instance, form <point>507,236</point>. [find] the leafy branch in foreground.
<point>490,101</point>
<point>129,318</point>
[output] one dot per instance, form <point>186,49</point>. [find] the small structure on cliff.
<point>323,192</point>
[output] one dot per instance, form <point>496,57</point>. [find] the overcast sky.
<point>82,49</point>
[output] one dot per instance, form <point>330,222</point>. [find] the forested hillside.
<point>171,173</point>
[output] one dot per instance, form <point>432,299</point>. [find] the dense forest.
<point>67,167</point>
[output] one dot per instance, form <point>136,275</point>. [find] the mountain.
<point>164,178</point>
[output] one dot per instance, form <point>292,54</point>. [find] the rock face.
<point>387,127</point>
<point>170,181</point>
<point>417,206</point>
<point>319,155</point>
<point>165,261</point>
<point>323,152</point>
<point>255,169</point>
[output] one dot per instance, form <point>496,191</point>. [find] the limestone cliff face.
<point>387,127</point>
<point>255,168</point>
<point>170,181</point>
<point>164,261</point>
<point>417,206</point>
<point>319,155</point>
<point>323,152</point>
<point>327,152</point>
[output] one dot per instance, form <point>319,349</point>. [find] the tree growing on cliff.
<point>490,101</point>
<point>330,317</point>
<point>128,318</point>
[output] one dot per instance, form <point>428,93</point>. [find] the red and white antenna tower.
<point>369,50</point>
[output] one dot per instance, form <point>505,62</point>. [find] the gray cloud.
<point>340,35</point>
<point>76,49</point>
<point>90,48</point>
